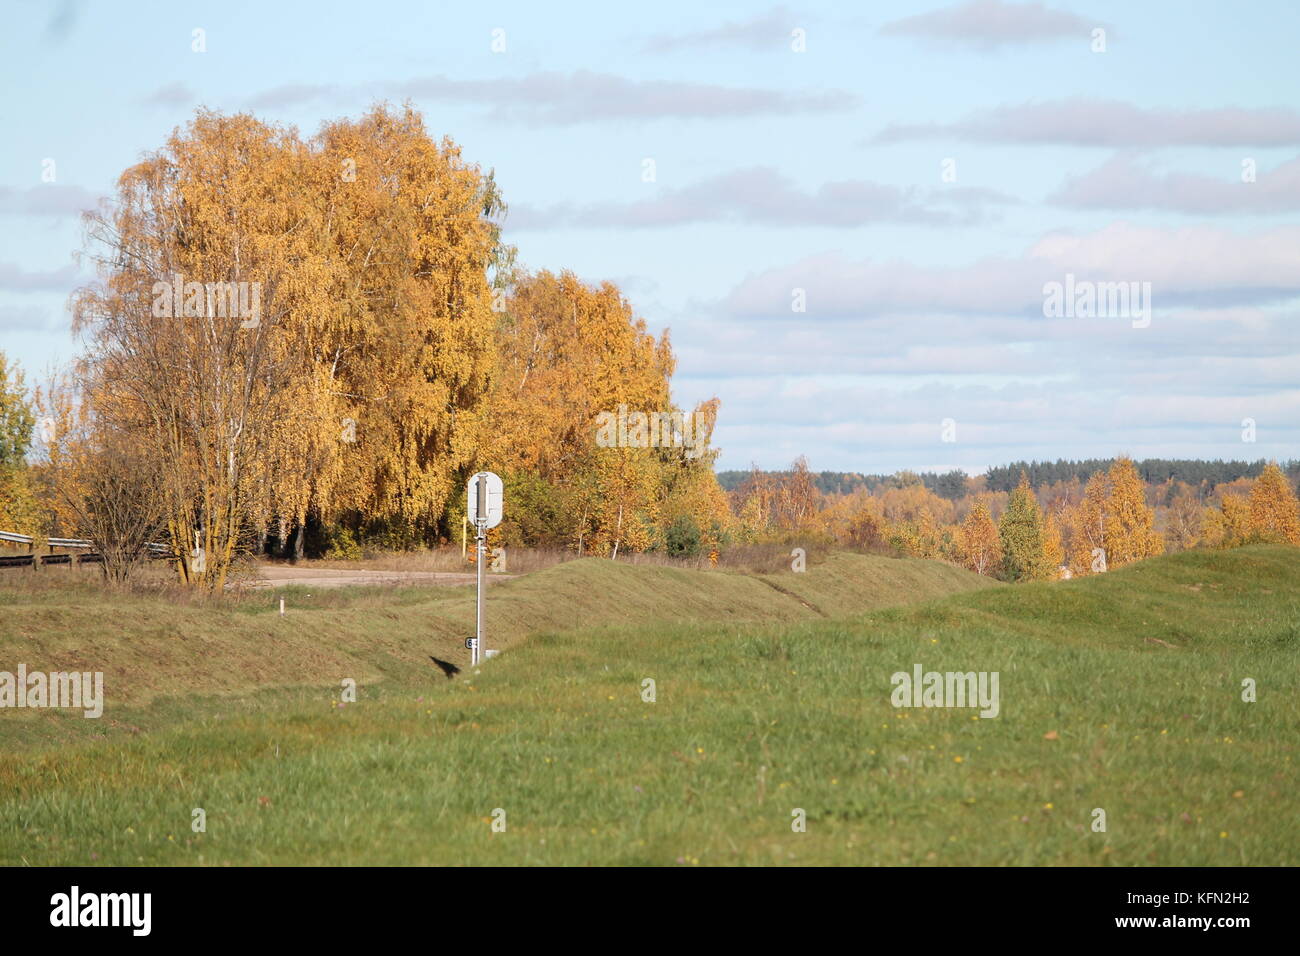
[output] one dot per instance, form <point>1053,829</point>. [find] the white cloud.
<point>175,94</point>
<point>294,94</point>
<point>761,195</point>
<point>889,349</point>
<point>991,24</point>
<point>1125,182</point>
<point>1084,121</point>
<point>49,199</point>
<point>562,99</point>
<point>15,318</point>
<point>767,31</point>
<point>553,98</point>
<point>14,278</point>
<point>1196,263</point>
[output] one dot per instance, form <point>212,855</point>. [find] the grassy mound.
<point>149,647</point>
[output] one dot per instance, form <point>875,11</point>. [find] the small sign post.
<point>484,506</point>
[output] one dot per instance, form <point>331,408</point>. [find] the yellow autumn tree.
<point>753,502</point>
<point>57,480</point>
<point>1227,526</point>
<point>569,352</point>
<point>294,327</point>
<point>905,503</point>
<point>19,509</point>
<point>1086,525</point>
<point>191,360</point>
<point>1053,545</point>
<point>980,544</point>
<point>929,536</point>
<point>404,346</point>
<point>1274,509</point>
<point>695,504</point>
<point>1130,533</point>
<point>752,519</point>
<point>1183,519</point>
<point>866,526</point>
<point>796,501</point>
<point>622,507</point>
<point>574,358</point>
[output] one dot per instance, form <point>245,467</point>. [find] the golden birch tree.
<point>1274,510</point>
<point>979,542</point>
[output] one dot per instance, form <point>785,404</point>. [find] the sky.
<point>857,221</point>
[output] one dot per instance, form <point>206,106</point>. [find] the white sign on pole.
<point>495,499</point>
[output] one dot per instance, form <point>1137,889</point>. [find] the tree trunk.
<point>618,533</point>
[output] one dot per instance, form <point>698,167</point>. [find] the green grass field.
<point>1121,692</point>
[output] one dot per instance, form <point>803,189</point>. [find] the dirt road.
<point>278,576</point>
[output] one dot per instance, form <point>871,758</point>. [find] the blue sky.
<point>777,170</point>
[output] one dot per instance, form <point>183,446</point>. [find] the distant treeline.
<point>952,484</point>
<point>1192,471</point>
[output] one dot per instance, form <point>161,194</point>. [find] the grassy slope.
<point>750,722</point>
<point>149,648</point>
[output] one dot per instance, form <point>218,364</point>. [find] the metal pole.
<point>479,629</point>
<point>480,522</point>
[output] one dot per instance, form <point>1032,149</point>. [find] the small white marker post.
<point>484,505</point>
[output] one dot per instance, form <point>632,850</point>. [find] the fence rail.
<point>154,550</point>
